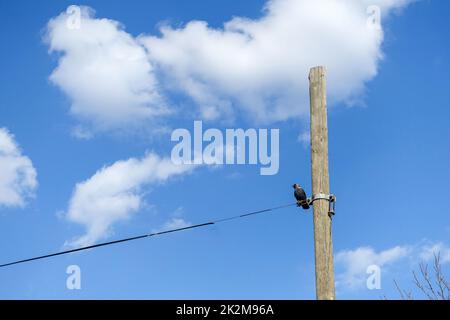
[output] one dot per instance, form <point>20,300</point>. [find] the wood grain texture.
<point>323,243</point>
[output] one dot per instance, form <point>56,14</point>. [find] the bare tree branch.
<point>444,292</point>
<point>434,287</point>
<point>404,295</point>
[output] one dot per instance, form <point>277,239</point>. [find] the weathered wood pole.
<point>323,242</point>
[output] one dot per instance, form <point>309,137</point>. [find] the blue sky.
<point>388,130</point>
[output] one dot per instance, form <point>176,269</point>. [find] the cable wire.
<point>148,235</point>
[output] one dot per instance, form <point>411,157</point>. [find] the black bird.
<point>300,196</point>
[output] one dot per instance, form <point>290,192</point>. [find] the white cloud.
<point>17,174</point>
<point>104,71</point>
<point>175,223</point>
<point>352,264</point>
<point>115,192</point>
<point>258,67</point>
<point>304,138</point>
<point>355,262</point>
<point>428,251</point>
<point>387,5</point>
<point>81,133</point>
<point>261,65</point>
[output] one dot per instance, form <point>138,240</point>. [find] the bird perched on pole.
<point>300,196</point>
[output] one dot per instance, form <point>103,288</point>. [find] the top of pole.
<point>315,73</point>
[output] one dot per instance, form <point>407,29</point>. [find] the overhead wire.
<point>153,234</point>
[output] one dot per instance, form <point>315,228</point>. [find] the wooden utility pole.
<point>323,243</point>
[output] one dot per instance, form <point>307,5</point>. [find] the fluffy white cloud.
<point>256,66</point>
<point>261,65</point>
<point>115,192</point>
<point>17,174</point>
<point>304,138</point>
<point>104,71</point>
<point>175,223</point>
<point>352,264</point>
<point>428,251</point>
<point>355,262</point>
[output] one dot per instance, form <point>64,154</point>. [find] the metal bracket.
<point>331,198</point>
